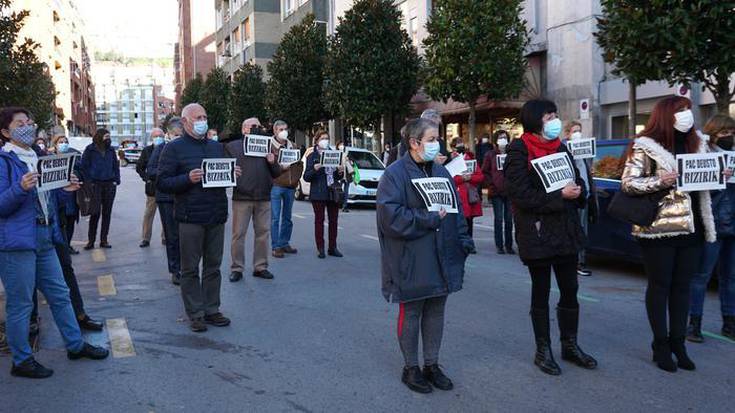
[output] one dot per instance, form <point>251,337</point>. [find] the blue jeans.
<point>281,224</point>
<point>23,272</point>
<point>502,215</point>
<point>723,251</point>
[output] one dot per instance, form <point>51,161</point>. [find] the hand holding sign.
<point>74,185</point>
<point>29,181</point>
<point>270,158</point>
<point>668,179</point>
<point>442,213</point>
<point>195,175</point>
<point>571,191</point>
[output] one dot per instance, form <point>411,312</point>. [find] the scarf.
<point>539,147</point>
<point>30,158</point>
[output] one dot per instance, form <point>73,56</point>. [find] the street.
<point>320,337</point>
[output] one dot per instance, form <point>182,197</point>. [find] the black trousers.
<point>669,270</point>
<point>107,191</point>
<point>171,232</point>
<point>470,220</point>
<point>566,279</point>
<point>69,227</point>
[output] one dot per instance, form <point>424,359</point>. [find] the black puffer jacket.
<point>547,225</point>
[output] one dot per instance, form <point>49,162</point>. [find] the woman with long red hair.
<point>672,244</point>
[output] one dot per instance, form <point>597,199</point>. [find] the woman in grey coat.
<point>422,254</point>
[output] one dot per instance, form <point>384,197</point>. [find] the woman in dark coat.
<point>495,178</point>
<point>422,254</point>
<point>101,168</point>
<point>548,232</point>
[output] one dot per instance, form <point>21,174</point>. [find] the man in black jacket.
<point>201,214</point>
<point>150,186</point>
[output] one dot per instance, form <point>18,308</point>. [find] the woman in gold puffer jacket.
<point>672,245</point>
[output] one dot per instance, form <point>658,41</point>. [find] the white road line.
<point>483,226</point>
<point>120,341</point>
<point>298,216</point>
<point>372,237</point>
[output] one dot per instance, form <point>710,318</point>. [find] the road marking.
<point>120,341</point>
<point>372,237</point>
<point>298,216</point>
<point>106,285</point>
<point>98,255</point>
<point>717,336</point>
<point>78,243</point>
<point>483,226</point>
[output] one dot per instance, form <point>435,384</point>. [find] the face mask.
<point>725,142</point>
<point>215,138</point>
<point>684,121</point>
<point>460,148</point>
<point>283,135</point>
<point>63,147</point>
<point>42,146</point>
<point>200,127</point>
<point>158,140</point>
<point>324,144</point>
<point>431,149</point>
<point>552,129</point>
<point>502,142</point>
<point>484,140</point>
<point>107,143</point>
<point>24,134</point>
<point>576,135</point>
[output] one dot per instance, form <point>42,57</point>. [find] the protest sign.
<point>288,156</point>
<point>331,158</point>
<point>500,161</point>
<point>700,171</point>
<point>55,171</point>
<point>437,193</point>
<point>471,166</point>
<point>257,145</point>
<point>218,173</point>
<point>582,148</point>
<point>730,164</point>
<point>555,170</point>
<point>456,166</point>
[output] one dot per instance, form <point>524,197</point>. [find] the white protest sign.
<point>456,166</point>
<point>555,170</point>
<point>288,156</point>
<point>218,173</point>
<point>55,171</point>
<point>700,171</point>
<point>257,145</point>
<point>500,161</point>
<point>582,148</point>
<point>331,158</point>
<point>730,164</point>
<point>471,166</point>
<point>437,193</point>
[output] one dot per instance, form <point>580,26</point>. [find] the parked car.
<point>371,169</point>
<point>129,152</point>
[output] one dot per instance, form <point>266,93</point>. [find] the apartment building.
<point>194,51</point>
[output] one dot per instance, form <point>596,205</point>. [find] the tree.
<point>25,80</point>
<point>247,96</point>
<point>214,96</point>
<point>371,68</point>
<point>192,93</point>
<point>294,91</point>
<point>673,40</point>
<point>481,56</point>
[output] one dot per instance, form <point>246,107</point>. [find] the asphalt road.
<point>321,338</point>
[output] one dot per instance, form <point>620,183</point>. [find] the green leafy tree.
<point>214,95</point>
<point>24,80</point>
<point>294,91</point>
<point>481,56</point>
<point>247,96</point>
<point>192,93</point>
<point>372,67</point>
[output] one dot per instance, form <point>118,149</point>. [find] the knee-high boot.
<point>568,325</point>
<point>544,358</point>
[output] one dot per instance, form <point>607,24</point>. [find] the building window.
<point>236,38</point>
<point>288,7</point>
<point>246,31</point>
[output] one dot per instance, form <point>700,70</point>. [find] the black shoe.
<point>105,245</point>
<point>265,274</point>
<point>583,272</point>
<point>235,276</point>
<point>217,320</point>
<point>436,377</point>
<point>414,380</point>
<point>322,254</point>
<point>570,351</point>
<point>73,251</point>
<point>345,210</point>
<point>31,369</point>
<point>510,251</point>
<point>290,250</point>
<point>89,351</point>
<point>501,251</point>
<point>176,278</point>
<point>144,244</point>
<point>544,357</point>
<point>694,331</point>
<point>678,348</point>
<point>89,246</point>
<point>197,325</point>
<point>89,324</point>
<point>662,355</point>
<point>728,326</point>
<point>335,253</point>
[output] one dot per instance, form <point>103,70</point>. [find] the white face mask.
<point>484,140</point>
<point>283,135</point>
<point>576,135</point>
<point>324,144</point>
<point>684,120</point>
<point>502,142</point>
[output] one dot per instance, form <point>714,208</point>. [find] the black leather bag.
<point>336,193</point>
<point>639,210</point>
<point>89,199</point>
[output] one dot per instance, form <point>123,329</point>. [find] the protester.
<point>467,184</point>
<point>324,194</point>
<point>40,143</point>
<point>212,134</point>
<point>672,245</point>
<point>422,255</point>
<point>68,200</point>
<point>101,169</point>
<point>482,149</point>
<point>720,129</point>
<point>165,202</point>
<point>157,138</point>
<point>433,115</point>
<point>251,200</point>
<point>348,176</point>
<point>587,215</point>
<point>27,257</point>
<point>548,233</point>
<point>495,178</point>
<point>282,195</point>
<point>385,156</point>
<point>201,214</point>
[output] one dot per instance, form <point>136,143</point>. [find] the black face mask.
<point>725,142</point>
<point>460,149</point>
<point>107,143</point>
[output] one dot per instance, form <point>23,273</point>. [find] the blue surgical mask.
<point>158,140</point>
<point>552,129</point>
<point>25,134</point>
<point>201,127</point>
<point>63,147</point>
<point>431,149</point>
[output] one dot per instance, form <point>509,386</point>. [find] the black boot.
<point>680,351</point>
<point>436,377</point>
<point>544,358</point>
<point>568,325</point>
<point>728,326</point>
<point>414,380</point>
<point>662,355</point>
<point>694,331</point>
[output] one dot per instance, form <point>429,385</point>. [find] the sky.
<point>134,28</point>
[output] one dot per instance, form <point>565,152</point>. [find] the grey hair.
<point>175,123</point>
<point>432,115</point>
<point>156,130</point>
<point>279,123</point>
<point>416,129</point>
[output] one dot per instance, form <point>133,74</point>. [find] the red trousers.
<point>333,212</point>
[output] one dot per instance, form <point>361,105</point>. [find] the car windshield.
<point>365,160</point>
<point>609,162</point>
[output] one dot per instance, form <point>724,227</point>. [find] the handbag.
<point>336,193</point>
<point>473,196</point>
<point>638,210</point>
<point>88,199</point>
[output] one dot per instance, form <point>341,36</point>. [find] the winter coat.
<point>257,174</point>
<point>495,178</point>
<point>67,201</point>
<point>193,203</point>
<point>151,171</point>
<point>18,211</point>
<point>547,225</point>
<point>422,255</point>
<point>100,166</point>
<point>142,165</point>
<point>470,210</point>
<point>319,190</point>
<point>481,151</point>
